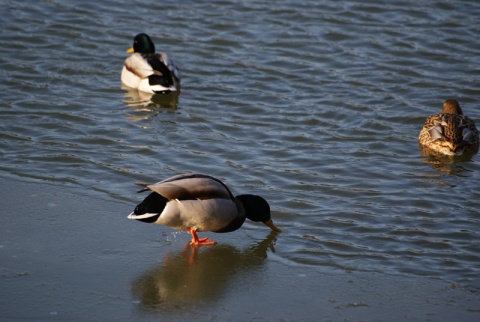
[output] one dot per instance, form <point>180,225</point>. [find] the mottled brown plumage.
<point>449,132</point>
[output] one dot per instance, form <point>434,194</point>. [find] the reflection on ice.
<point>197,275</point>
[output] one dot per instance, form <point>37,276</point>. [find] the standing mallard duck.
<point>148,71</point>
<point>196,202</point>
<point>449,132</point>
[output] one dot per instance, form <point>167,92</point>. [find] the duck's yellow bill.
<point>130,50</point>
<point>270,224</point>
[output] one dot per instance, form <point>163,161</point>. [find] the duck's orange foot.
<point>199,241</point>
<point>202,242</point>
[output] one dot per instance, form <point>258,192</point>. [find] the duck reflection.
<point>135,98</point>
<point>198,274</point>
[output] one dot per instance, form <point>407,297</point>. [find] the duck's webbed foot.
<point>199,241</point>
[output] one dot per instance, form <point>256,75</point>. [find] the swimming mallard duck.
<point>449,132</point>
<point>148,71</point>
<point>196,202</point>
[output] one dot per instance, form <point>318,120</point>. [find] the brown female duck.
<point>449,132</point>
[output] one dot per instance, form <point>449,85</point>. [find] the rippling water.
<point>315,105</point>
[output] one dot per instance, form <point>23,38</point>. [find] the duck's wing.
<point>431,130</point>
<point>469,131</point>
<point>165,59</point>
<point>164,72</point>
<point>459,129</point>
<point>191,186</point>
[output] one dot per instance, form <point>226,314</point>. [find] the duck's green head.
<point>142,44</point>
<point>257,209</point>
